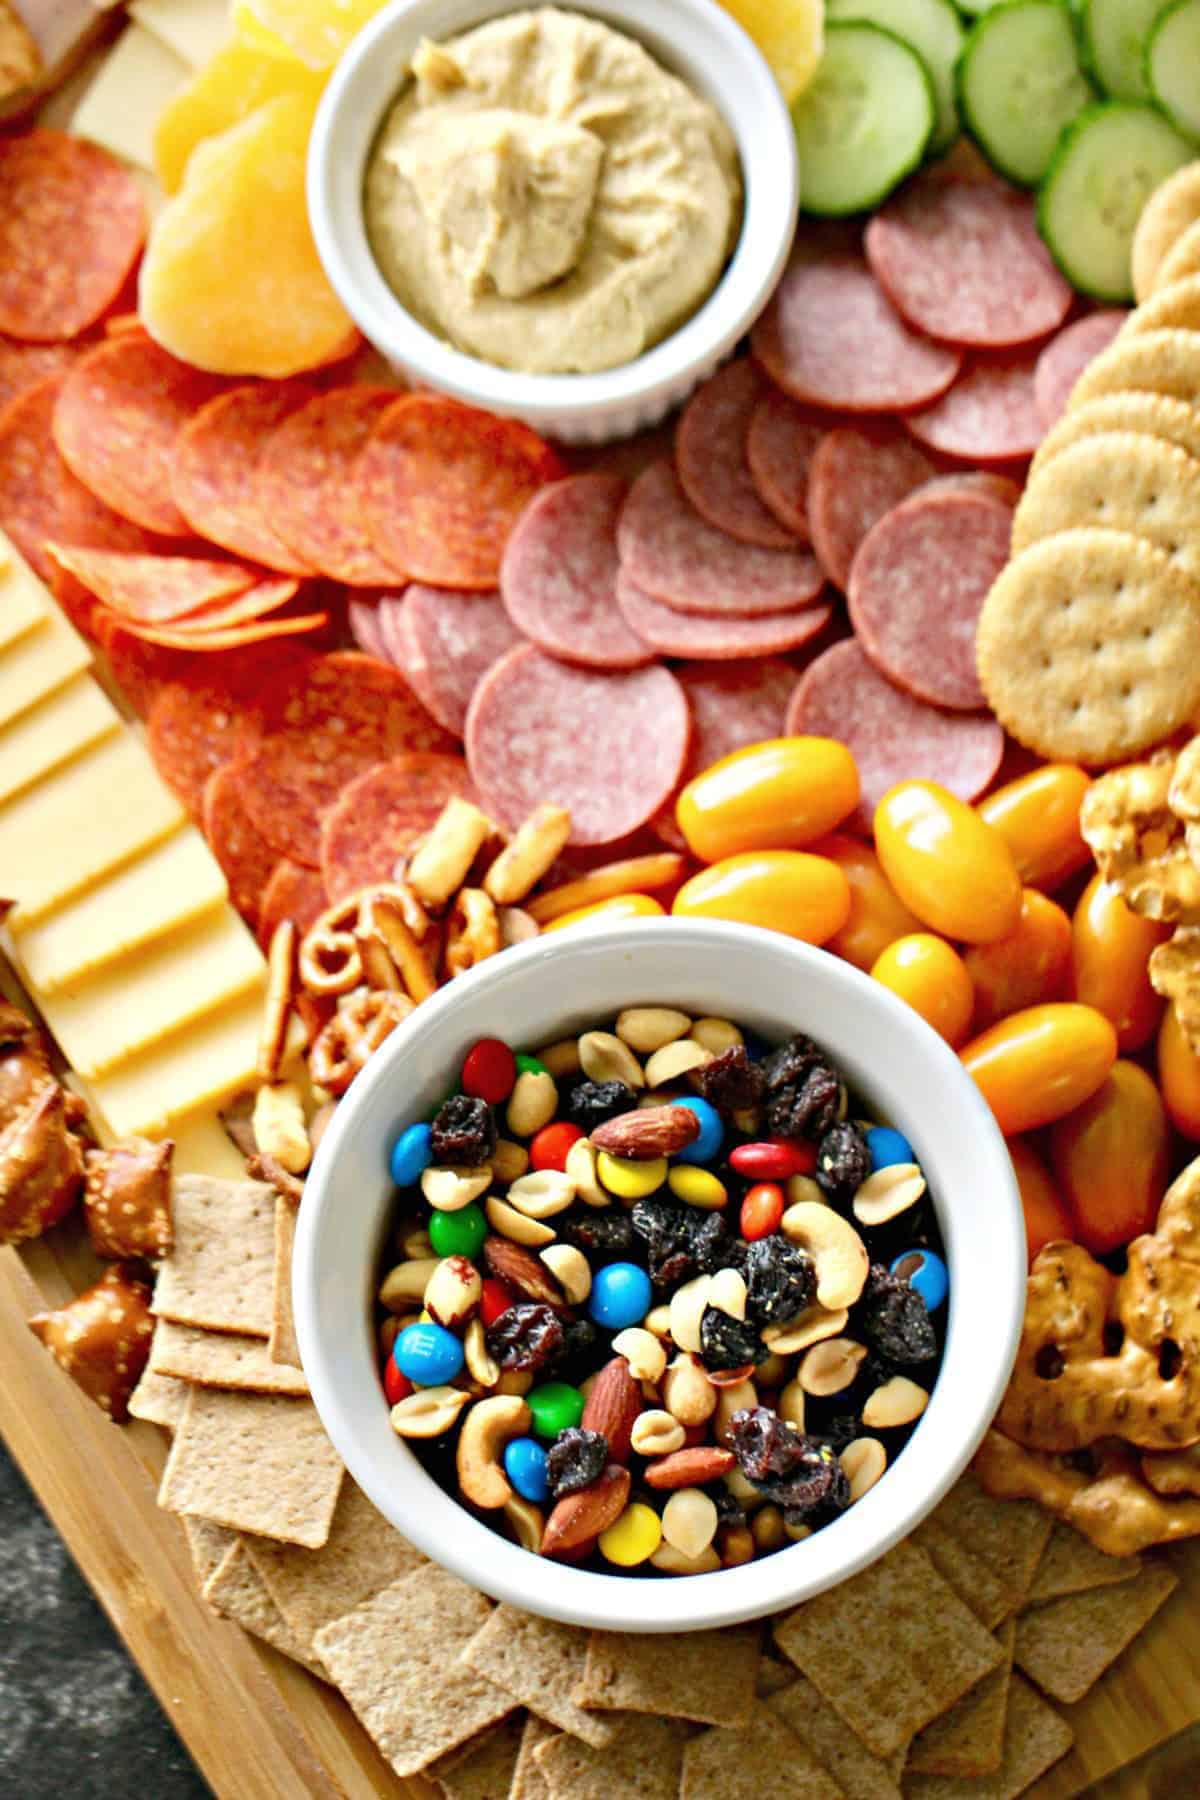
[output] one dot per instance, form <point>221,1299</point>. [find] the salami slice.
<point>711,459</point>
<point>40,499</point>
<point>363,619</point>
<point>315,730</point>
<point>72,224</point>
<point>856,476</point>
<point>832,338</point>
<point>609,747</point>
<point>734,704</point>
<point>307,482</point>
<point>293,892</point>
<point>154,590</point>
<point>558,578</point>
<point>668,549</point>
<point>780,445</point>
<point>989,415</point>
<point>917,588</point>
<point>119,412</point>
<point>191,732</point>
<point>246,858</point>
<point>380,816</point>
<point>671,633</point>
<point>963,261</point>
<point>442,485</point>
<point>444,643</point>
<point>213,472</point>
<point>22,366</point>
<point>1065,358</point>
<point>892,736</point>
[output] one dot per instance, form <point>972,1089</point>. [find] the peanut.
<point>672,1562</point>
<point>516,1226</point>
<point>603,1057</point>
<point>647,1028</point>
<point>407,1282</point>
<point>887,1193</point>
<point>731,1400</point>
<point>674,1060</point>
<point>716,1035</point>
<point>532,1103</point>
<point>656,1433</point>
<point>561,1058</point>
<point>509,1161</point>
<point>454,1291</point>
<point>831,1366</point>
<point>658,1321</point>
<point>483,1366</point>
<point>897,1402</point>
<point>450,1189</point>
<point>863,1462</point>
<point>646,1356</point>
<point>526,1521</point>
<point>736,1544</point>
<point>728,1293</point>
<point>542,1193</point>
<point>791,1404</point>
<point>689,1522</point>
<point>808,1327</point>
<point>429,1413</point>
<point>581,1169</point>
<point>571,1269</point>
<point>686,1310</point>
<point>766,1528</point>
<point>687,1392</point>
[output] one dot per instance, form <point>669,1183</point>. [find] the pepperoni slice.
<point>711,459</point>
<point>308,485</point>
<point>671,633</point>
<point>1063,360</point>
<point>191,732</point>
<point>780,445</point>
<point>293,892</point>
<point>917,588</point>
<point>255,603</point>
<point>989,415</point>
<point>976,481</point>
<point>558,579</point>
<point>892,736</point>
<point>119,413</point>
<point>670,551</point>
<point>442,485</point>
<point>363,618</point>
<point>246,859</point>
<point>318,728</point>
<point>444,643</point>
<point>154,590</point>
<point>963,261</point>
<point>22,366</point>
<point>832,338</point>
<point>238,637</point>
<point>856,476</point>
<point>608,747</point>
<point>213,472</point>
<point>380,816</point>
<point>72,224</point>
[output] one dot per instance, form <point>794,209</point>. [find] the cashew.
<point>831,1366</point>
<point>687,1309</point>
<point>603,1057</point>
<point>689,1522</point>
<point>542,1193</point>
<point>863,1462</point>
<point>483,1366</point>
<point>571,1269</point>
<point>730,1400</point>
<point>450,1189</point>
<point>647,1028</point>
<point>791,1405</point>
<point>728,1293</point>
<point>509,1161</point>
<point>671,1562</point>
<point>837,1251</point>
<point>766,1528</point>
<point>808,1327</point>
<point>279,1127</point>
<point>656,1433</point>
<point>526,1521</point>
<point>887,1193</point>
<point>581,1170</point>
<point>716,1035</point>
<point>646,1356</point>
<point>407,1282</point>
<point>514,1225</point>
<point>687,1392</point>
<point>561,1058</point>
<point>428,1413</point>
<point>532,1103</point>
<point>454,1292</point>
<point>487,1428</point>
<point>897,1402</point>
<point>674,1060</point>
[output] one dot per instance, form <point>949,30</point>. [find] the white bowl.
<point>559,984</point>
<point>699,41</point>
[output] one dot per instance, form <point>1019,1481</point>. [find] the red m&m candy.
<point>548,1147</point>
<point>489,1071</point>
<point>496,1299</point>
<point>776,1159</point>
<point>762,1210</point>
<point>396,1386</point>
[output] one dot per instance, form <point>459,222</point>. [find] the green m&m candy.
<point>555,1407</point>
<point>458,1233</point>
<point>529,1065</point>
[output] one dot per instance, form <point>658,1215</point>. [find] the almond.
<point>578,1517</point>
<point>649,1133</point>
<point>522,1270</point>
<point>612,1406</point>
<point>690,1468</point>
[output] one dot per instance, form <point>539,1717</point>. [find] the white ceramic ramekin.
<point>542,991</point>
<point>699,42</point>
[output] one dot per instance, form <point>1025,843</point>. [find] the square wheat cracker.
<point>483,1769</point>
<point>235,1590</point>
<point>859,1774</point>
<point>708,1676</point>
<point>1066,1645</point>
<point>973,1580</point>
<point>221,1273</point>
<point>158,1399</point>
<point>969,1739</point>
<point>209,1545</point>
<point>766,1762</point>
<point>254,1462</point>
<point>890,1649</point>
<point>774,1675</point>
<point>1072,1565</point>
<point>528,1782</point>
<point>1035,1738</point>
<point>539,1663</point>
<point>1009,1535</point>
<point>282,1343</point>
<point>643,1762</point>
<point>219,1359</point>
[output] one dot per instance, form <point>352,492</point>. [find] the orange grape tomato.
<point>1047,1220</point>
<point>877,914</point>
<point>777,795</point>
<point>1031,965</point>
<point>1179,1076</point>
<point>924,971</point>
<point>1040,1064</point>
<point>807,897</point>
<point>1111,950</point>
<point>609,912</point>
<point>1038,818</point>
<point>1112,1160</point>
<point>955,872</point>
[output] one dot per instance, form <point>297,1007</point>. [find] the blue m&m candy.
<point>525,1466</point>
<point>620,1296</point>
<point>888,1147</point>
<point>412,1153</point>
<point>428,1354</point>
<point>926,1274</point>
<point>706,1147</point>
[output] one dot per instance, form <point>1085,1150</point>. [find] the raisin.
<point>575,1359</point>
<point>681,1241</point>
<point>818,1493</point>
<point>730,1082</point>
<point>575,1459</point>
<point>801,1474</point>
<point>894,1319</point>
<point>780,1280</point>
<point>591,1103</point>
<point>843,1163</point>
<point>766,1446</point>
<point>729,1510</point>
<point>841,1429</point>
<point>464,1131</point>
<point>807,1108</point>
<point>525,1336</point>
<point>788,1065</point>
<point>596,1231</point>
<point>726,1342</point>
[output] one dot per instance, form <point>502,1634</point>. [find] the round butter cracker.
<point>1119,481</point>
<point>1153,415</point>
<point>1173,308</point>
<point>1165,217</point>
<point>1152,362</point>
<point>1087,647</point>
<point>1181,260</point>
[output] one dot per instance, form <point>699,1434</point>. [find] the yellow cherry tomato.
<point>1047,1220</point>
<point>1111,1157</point>
<point>1042,1063</point>
<point>1038,818</point>
<point>955,872</point>
<point>924,971</point>
<point>1112,946</point>
<point>1031,965</point>
<point>807,897</point>
<point>610,912</point>
<point>777,795</point>
<point>877,915</point>
<point>1179,1076</point>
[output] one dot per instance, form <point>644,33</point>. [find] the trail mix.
<point>664,1299</point>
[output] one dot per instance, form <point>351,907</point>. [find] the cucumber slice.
<point>865,122</point>
<point>1107,164</point>
<point>1173,64</point>
<point>930,27</point>
<point>1019,83</point>
<point>1114,44</point>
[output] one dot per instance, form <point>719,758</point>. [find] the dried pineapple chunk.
<point>317,31</point>
<point>232,85</point>
<point>790,34</point>
<point>231,280</point>
<point>249,30</point>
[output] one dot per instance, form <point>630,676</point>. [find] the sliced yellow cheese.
<point>135,81</point>
<point>203,1147</point>
<point>171,884</point>
<point>52,732</point>
<point>24,602</point>
<point>58,838</point>
<point>113,1014</point>
<point>197,1067</point>
<point>40,661</point>
<point>193,29</point>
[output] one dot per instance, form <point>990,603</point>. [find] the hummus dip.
<point>547,197</point>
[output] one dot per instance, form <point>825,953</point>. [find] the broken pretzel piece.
<point>1110,1505</point>
<point>24,1065</point>
<point>358,1027</point>
<point>127,1199</point>
<point>1175,973</point>
<point>1173,1471</point>
<point>102,1338</point>
<point>41,1166</point>
<point>1139,843</point>
<point>442,860</point>
<point>529,856</point>
<point>472,931</point>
